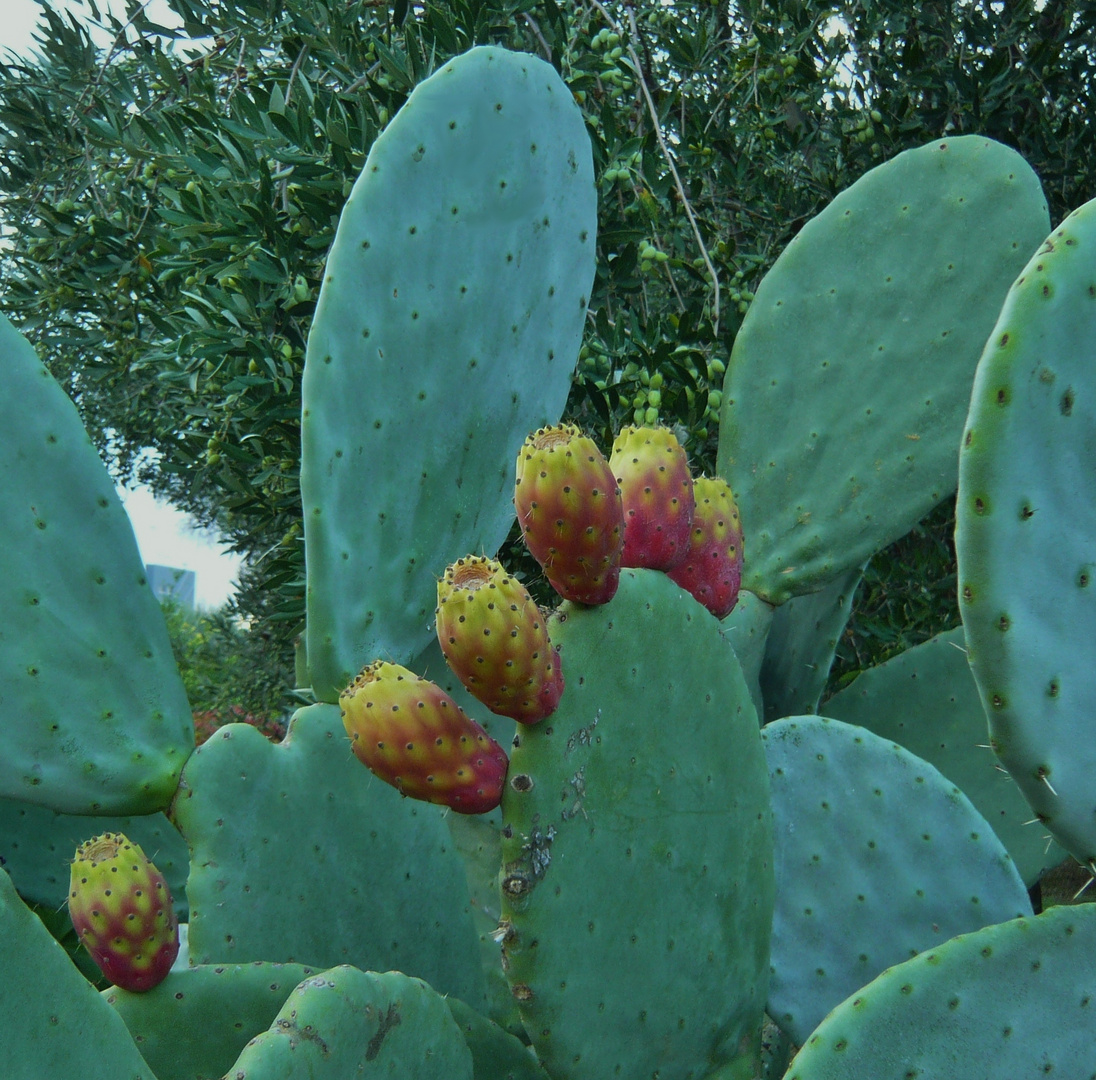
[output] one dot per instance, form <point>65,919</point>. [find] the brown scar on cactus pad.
<point>495,639</point>
<point>409,733</point>
<point>570,512</point>
<point>122,911</point>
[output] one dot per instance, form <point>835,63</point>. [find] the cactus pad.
<point>925,699</point>
<point>93,716</point>
<point>299,855</point>
<point>863,829</point>
<point>844,398</point>
<point>1012,1000</point>
<point>637,847</point>
<point>447,328</point>
<point>1026,534</point>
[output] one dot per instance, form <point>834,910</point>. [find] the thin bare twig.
<point>638,68</point>
<point>538,35</point>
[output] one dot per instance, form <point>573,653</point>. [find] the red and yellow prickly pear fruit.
<point>122,911</point>
<point>496,640</point>
<point>411,734</point>
<point>656,488</point>
<point>712,569</point>
<point>570,513</point>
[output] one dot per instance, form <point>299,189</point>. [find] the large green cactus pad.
<point>637,849</point>
<point>198,1020</point>
<point>496,1054</point>
<point>299,854</point>
<point>1008,1002</point>
<point>55,1024</point>
<point>844,399</point>
<point>346,1024</point>
<point>93,715</point>
<point>447,328</point>
<point>1026,533</point>
<point>878,857</point>
<point>926,700</point>
<point>37,846</point>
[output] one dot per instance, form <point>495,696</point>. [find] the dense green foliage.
<point>170,201</point>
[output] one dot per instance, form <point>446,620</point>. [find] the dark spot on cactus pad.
<point>1026,512</point>
<point>979,505</point>
<point>1002,395</point>
<point>1066,405</point>
<point>1002,341</point>
<point>1083,579</point>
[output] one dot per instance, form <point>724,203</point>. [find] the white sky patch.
<point>169,537</point>
<point>20,17</point>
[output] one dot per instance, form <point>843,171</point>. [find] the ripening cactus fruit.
<point>656,489</point>
<point>122,911</point>
<point>570,513</point>
<point>411,734</point>
<point>495,639</point>
<point>712,568</point>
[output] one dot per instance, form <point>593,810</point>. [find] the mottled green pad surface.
<point>346,1024</point>
<point>925,699</point>
<point>747,629</point>
<point>299,854</point>
<point>1026,533</point>
<point>1010,1002</point>
<point>637,852</point>
<point>801,644</point>
<point>194,1025</point>
<point>55,1024</point>
<point>496,1054</point>
<point>447,329</point>
<point>844,399</point>
<point>93,716</point>
<point>37,845</point>
<point>878,857</point>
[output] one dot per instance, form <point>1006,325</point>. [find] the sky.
<point>164,535</point>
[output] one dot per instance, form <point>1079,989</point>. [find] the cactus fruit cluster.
<point>678,845</point>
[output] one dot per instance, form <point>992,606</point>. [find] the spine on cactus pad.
<point>122,911</point>
<point>712,567</point>
<point>496,640</point>
<point>408,732</point>
<point>656,489</point>
<point>570,513</point>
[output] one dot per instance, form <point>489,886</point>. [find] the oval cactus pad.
<point>637,858</point>
<point>93,715</point>
<point>926,700</point>
<point>1008,1002</point>
<point>1026,534</point>
<point>844,399</point>
<point>863,829</point>
<point>446,330</point>
<point>300,855</point>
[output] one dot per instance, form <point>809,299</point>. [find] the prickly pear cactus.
<point>844,398</point>
<point>93,717</point>
<point>637,848</point>
<point>447,328</point>
<point>1026,533</point>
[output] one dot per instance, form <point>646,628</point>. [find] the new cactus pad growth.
<point>712,567</point>
<point>570,513</point>
<point>656,489</point>
<point>495,639</point>
<point>410,733</point>
<point>122,912</point>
